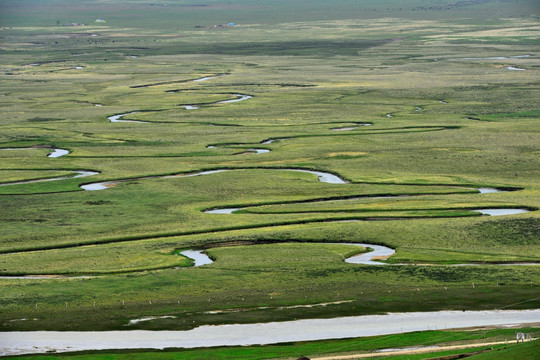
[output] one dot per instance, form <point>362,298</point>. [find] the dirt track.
<point>411,351</point>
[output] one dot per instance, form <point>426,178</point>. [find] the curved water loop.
<point>246,151</point>
<point>482,190</point>
<point>198,256</point>
<point>348,128</point>
<point>222,211</point>
<point>79,174</point>
<point>205,78</point>
<point>260,151</point>
<point>374,256</point>
<point>270,141</point>
<point>322,176</point>
<point>118,118</point>
<point>378,252</point>
<point>55,153</point>
<point>501,212</point>
<point>239,97</point>
<point>514,68</point>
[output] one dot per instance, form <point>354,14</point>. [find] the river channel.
<point>322,176</point>
<point>16,343</point>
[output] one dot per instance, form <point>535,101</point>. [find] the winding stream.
<point>501,212</point>
<point>118,118</point>
<point>482,190</point>
<point>55,153</point>
<point>322,176</point>
<point>198,256</point>
<point>498,57</point>
<point>348,128</point>
<point>259,151</point>
<point>27,342</point>
<point>239,97</point>
<point>79,174</point>
<point>378,252</point>
<point>204,78</point>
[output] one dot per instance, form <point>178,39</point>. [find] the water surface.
<point>56,153</point>
<point>118,118</point>
<point>501,212</point>
<point>322,176</point>
<point>27,342</point>
<point>198,256</point>
<point>79,174</point>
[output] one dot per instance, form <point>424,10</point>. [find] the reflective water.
<point>198,256</point>
<point>322,176</point>
<point>25,342</point>
<point>58,153</point>
<point>118,118</point>
<point>79,174</point>
<point>500,212</point>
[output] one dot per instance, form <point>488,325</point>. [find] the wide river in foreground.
<point>13,343</point>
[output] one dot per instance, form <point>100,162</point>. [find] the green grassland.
<point>446,117</point>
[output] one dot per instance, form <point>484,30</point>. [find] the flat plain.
<point>416,109</point>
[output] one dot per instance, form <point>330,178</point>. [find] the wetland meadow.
<point>265,138</point>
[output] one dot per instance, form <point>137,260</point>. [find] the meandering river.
<point>322,176</point>
<point>55,153</point>
<point>78,174</point>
